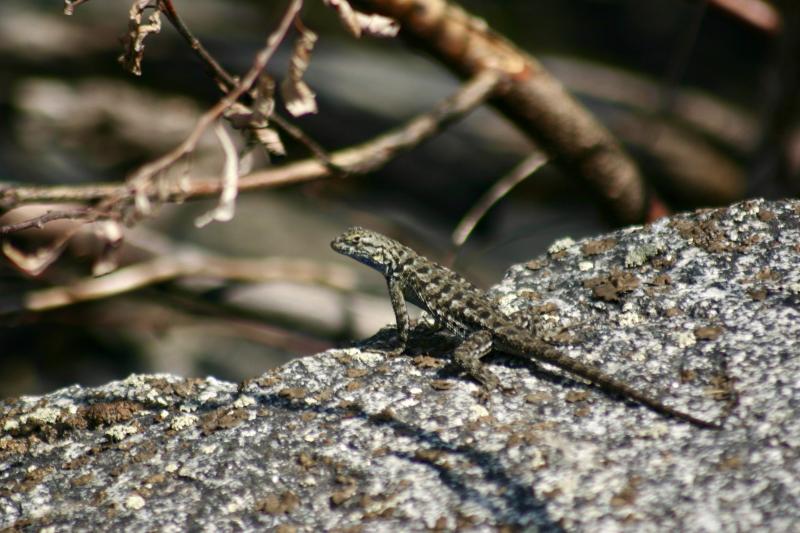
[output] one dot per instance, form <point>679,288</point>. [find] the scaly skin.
<point>469,314</point>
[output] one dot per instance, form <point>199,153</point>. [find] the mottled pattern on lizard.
<point>472,316</point>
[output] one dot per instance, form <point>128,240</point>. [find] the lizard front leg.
<point>400,312</point>
<point>468,357</point>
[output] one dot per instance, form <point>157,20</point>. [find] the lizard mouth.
<point>339,246</point>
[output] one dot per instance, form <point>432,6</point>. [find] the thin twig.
<point>311,145</point>
<point>226,82</point>
<point>83,213</point>
<point>373,154</point>
<point>12,195</point>
<point>140,179</point>
<point>223,78</point>
<point>503,186</point>
<point>533,99</point>
<point>358,159</point>
<point>169,267</point>
<point>680,57</point>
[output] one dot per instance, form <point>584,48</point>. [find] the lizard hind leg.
<point>468,358</point>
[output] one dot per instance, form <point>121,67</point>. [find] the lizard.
<point>473,317</point>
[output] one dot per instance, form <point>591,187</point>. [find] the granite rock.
<point>701,310</point>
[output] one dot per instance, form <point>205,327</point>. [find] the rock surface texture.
<point>702,310</point>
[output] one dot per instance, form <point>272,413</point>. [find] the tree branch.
<point>221,76</point>
<point>503,186</point>
<point>533,99</point>
<point>226,82</point>
<point>359,159</point>
<point>39,222</point>
<point>169,267</point>
<point>140,180</point>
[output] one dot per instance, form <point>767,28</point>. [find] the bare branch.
<point>39,222</point>
<point>300,136</point>
<point>358,159</point>
<point>226,81</point>
<point>12,195</point>
<point>35,262</point>
<point>533,99</point>
<point>140,180</point>
<point>169,267</point>
<point>503,186</point>
<point>373,154</point>
<point>223,78</point>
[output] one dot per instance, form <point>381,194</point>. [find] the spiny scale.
<point>471,315</point>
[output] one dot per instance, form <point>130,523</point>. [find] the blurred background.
<point>703,96</point>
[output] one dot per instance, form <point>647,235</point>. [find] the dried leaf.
<point>298,97</point>
<point>240,116</point>
<point>347,14</point>
<point>377,25</point>
<point>270,139</point>
<point>357,22</point>
<point>254,123</point>
<point>264,96</point>
<point>230,182</point>
<point>133,42</point>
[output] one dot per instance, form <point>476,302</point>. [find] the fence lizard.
<point>472,316</point>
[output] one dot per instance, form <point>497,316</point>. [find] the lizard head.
<point>371,248</point>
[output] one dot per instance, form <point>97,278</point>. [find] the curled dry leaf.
<point>264,96</point>
<point>298,96</point>
<point>377,25</point>
<point>347,14</point>
<point>255,127</point>
<point>357,22</point>
<point>242,117</point>
<point>254,121</point>
<point>270,139</point>
<point>264,104</point>
<point>230,182</point>
<point>133,42</point>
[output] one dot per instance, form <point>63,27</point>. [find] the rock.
<point>702,310</point>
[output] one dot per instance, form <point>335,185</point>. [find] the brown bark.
<point>533,99</point>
